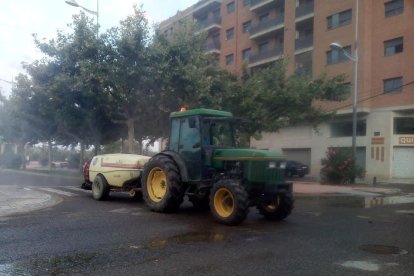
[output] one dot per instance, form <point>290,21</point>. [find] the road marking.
<point>361,265</point>
<point>59,192</point>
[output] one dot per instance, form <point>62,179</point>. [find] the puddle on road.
<point>185,239</point>
<point>382,249</point>
<point>363,202</point>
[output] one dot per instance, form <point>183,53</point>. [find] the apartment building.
<point>258,32</point>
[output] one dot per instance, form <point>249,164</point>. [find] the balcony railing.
<point>213,46</point>
<point>269,25</point>
<point>261,4</point>
<point>304,9</point>
<point>206,5</point>
<point>304,42</point>
<point>210,22</point>
<point>266,54</point>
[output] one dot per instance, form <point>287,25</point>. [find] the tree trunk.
<point>82,155</point>
<point>131,132</point>
<point>21,149</point>
<point>96,149</point>
<point>139,145</point>
<point>49,148</point>
<point>122,145</point>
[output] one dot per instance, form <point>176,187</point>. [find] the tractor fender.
<point>179,161</point>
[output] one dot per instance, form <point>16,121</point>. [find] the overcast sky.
<point>19,19</point>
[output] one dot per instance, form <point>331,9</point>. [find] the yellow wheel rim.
<point>272,207</point>
<point>224,202</point>
<point>157,184</point>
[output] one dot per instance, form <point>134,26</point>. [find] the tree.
<point>272,99</point>
<point>128,79</point>
<point>77,90</point>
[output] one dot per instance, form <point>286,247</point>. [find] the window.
<point>393,85</point>
<point>344,128</point>
<point>263,47</point>
<point>264,17</point>
<point>339,19</point>
<point>229,59</point>
<point>336,56</point>
<point>394,7</point>
<point>247,3</point>
<point>404,125</point>
<point>246,54</point>
<point>216,13</point>
<point>230,33</point>
<point>247,26</point>
<point>230,8</point>
<point>393,46</point>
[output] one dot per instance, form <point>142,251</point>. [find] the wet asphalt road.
<point>323,236</point>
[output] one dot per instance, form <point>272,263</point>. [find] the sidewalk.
<point>314,188</point>
<point>14,200</point>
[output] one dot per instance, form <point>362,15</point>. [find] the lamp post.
<point>96,13</point>
<point>355,58</point>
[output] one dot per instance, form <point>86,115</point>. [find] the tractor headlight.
<point>272,165</point>
<point>283,165</point>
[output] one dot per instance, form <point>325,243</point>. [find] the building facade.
<point>257,32</point>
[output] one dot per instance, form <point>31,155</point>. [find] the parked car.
<point>296,168</point>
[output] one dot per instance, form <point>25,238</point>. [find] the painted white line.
<point>59,192</point>
<point>361,265</point>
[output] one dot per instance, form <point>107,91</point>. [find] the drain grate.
<point>382,249</point>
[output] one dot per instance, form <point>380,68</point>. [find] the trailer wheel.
<point>161,185</point>
<point>229,202</point>
<point>100,188</point>
<point>279,208</point>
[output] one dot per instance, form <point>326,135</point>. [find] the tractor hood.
<point>245,155</point>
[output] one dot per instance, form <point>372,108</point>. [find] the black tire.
<point>161,185</point>
<point>100,188</point>
<point>229,202</point>
<point>289,174</point>
<point>201,204</point>
<point>279,209</point>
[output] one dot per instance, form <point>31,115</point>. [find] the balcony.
<point>258,5</point>
<point>303,65</point>
<point>304,44</point>
<point>213,47</point>
<point>212,23</point>
<point>304,11</point>
<point>265,56</point>
<point>267,27</point>
<point>204,6</point>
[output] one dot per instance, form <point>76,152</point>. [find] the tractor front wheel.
<point>161,185</point>
<point>229,202</point>
<point>279,208</point>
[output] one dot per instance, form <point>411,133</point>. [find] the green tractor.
<point>203,162</point>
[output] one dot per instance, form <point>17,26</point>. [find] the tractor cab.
<point>196,133</point>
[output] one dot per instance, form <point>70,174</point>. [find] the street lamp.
<point>96,13</point>
<point>338,47</point>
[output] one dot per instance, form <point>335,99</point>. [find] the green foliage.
<point>10,160</point>
<point>272,99</point>
<point>339,167</point>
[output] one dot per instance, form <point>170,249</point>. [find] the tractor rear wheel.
<point>161,185</point>
<point>229,202</point>
<point>100,188</point>
<point>279,208</point>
